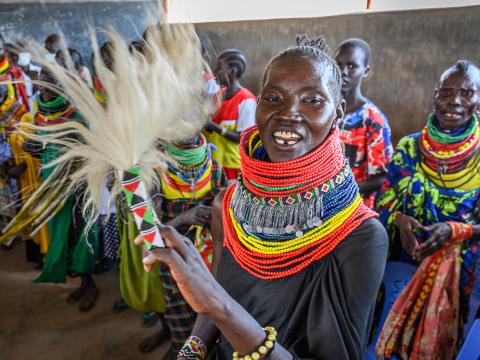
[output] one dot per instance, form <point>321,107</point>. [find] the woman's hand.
<point>406,225</point>
<point>193,278</point>
<point>441,234</point>
<point>198,215</point>
<point>210,126</point>
<point>17,170</point>
<point>33,147</point>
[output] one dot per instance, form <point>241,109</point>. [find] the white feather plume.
<point>151,97</point>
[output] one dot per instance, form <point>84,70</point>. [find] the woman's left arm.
<point>206,296</point>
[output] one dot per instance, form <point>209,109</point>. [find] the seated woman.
<point>429,205</point>
<point>303,256</point>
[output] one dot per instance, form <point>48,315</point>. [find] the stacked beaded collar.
<point>448,151</point>
<point>193,170</point>
<point>53,112</point>
<point>281,217</point>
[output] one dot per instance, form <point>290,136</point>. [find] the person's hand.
<point>198,215</point>
<point>192,276</point>
<point>406,225</point>
<point>210,126</point>
<point>17,170</point>
<point>441,234</point>
<point>32,147</point>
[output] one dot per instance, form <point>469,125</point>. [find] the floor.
<point>37,323</point>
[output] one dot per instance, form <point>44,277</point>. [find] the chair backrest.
<point>471,347</point>
<point>396,277</point>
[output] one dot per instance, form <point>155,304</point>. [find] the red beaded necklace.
<point>301,174</point>
<point>304,173</point>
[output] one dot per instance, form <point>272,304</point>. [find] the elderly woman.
<point>303,257</point>
<point>429,203</point>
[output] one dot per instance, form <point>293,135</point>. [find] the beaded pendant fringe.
<point>277,219</point>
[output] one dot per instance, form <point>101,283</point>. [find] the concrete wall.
<point>410,50</point>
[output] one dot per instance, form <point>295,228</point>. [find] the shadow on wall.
<point>410,50</point>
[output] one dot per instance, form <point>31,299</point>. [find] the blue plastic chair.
<point>396,277</point>
<point>474,301</point>
<point>471,347</point>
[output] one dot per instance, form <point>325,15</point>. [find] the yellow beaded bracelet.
<point>263,349</point>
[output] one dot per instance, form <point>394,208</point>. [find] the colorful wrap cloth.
<point>14,74</point>
<point>141,290</point>
<point>71,249</point>
<point>439,292</point>
<point>30,179</point>
<point>283,216</point>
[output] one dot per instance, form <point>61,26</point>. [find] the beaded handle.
<point>140,205</point>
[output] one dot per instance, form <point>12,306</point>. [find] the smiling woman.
<point>430,204</point>
<point>303,256</point>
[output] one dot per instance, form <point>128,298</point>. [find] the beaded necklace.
<point>53,112</point>
<point>448,152</point>
<point>193,174</point>
<point>281,217</point>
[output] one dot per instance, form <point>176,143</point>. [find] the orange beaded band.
<point>460,231</point>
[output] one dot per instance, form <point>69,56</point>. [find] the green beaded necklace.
<point>52,105</point>
<point>189,157</point>
<point>437,135</point>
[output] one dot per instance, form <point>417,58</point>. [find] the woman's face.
<point>455,100</point>
<point>296,108</point>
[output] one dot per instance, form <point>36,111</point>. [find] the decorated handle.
<point>141,206</point>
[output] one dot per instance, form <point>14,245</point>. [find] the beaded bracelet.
<point>460,231</point>
<point>193,349</point>
<point>264,349</point>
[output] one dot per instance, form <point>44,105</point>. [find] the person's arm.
<point>207,297</point>
<point>198,215</point>
<point>246,118</point>
<point>373,183</point>
<point>228,134</point>
<point>379,153</point>
<point>204,328</point>
<point>439,235</point>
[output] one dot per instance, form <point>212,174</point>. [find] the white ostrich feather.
<point>151,97</point>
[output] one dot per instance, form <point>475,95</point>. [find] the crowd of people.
<point>279,215</point>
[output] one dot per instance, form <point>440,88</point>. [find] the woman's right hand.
<point>406,225</point>
<point>194,280</point>
<point>198,215</point>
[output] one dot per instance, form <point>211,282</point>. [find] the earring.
<point>334,123</point>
